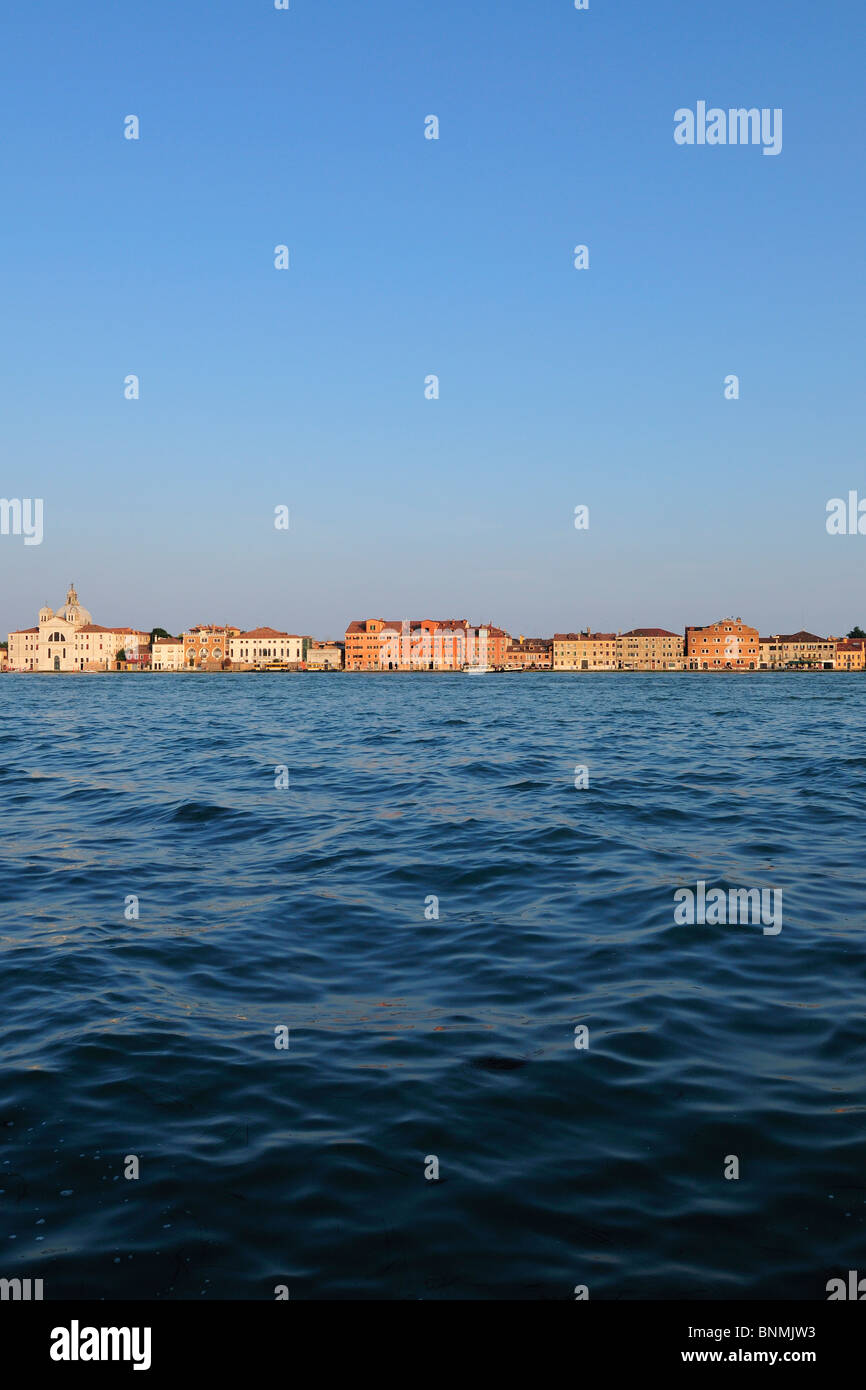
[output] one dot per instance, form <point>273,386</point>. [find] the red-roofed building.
<point>168,654</point>
<point>267,647</point>
<point>423,644</point>
<point>529,654</point>
<point>797,651</point>
<point>585,651</point>
<point>850,654</point>
<point>206,647</point>
<point>728,645</point>
<point>69,640</point>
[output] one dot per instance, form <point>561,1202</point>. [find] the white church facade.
<point>69,640</point>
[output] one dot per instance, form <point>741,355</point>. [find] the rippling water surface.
<point>454,1037</point>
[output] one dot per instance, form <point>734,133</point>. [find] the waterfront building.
<point>728,645</point>
<point>266,646</point>
<point>124,647</point>
<point>168,654</point>
<point>206,647</point>
<point>24,649</point>
<point>585,651</point>
<point>364,643</point>
<point>325,656</point>
<point>423,644</point>
<point>798,651</point>
<point>529,654</point>
<point>69,640</point>
<point>850,654</point>
<point>650,649</point>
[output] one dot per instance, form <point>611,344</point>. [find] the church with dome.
<point>68,640</point>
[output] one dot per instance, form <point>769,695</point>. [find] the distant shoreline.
<point>519,671</point>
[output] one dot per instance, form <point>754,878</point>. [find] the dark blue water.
<point>413,1037</point>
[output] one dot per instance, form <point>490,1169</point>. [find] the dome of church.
<point>72,610</point>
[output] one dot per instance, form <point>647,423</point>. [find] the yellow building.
<point>850,654</point>
<point>24,650</point>
<point>651,649</point>
<point>585,651</point>
<point>797,651</point>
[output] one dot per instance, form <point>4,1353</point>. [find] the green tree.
<point>857,632</point>
<point>158,632</point>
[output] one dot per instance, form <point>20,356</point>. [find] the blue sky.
<point>411,257</point>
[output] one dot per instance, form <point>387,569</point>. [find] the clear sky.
<point>411,257</point>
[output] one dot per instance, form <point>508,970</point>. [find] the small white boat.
<point>477,670</point>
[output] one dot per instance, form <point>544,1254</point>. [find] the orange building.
<point>207,648</point>
<point>728,645</point>
<point>422,644</point>
<point>364,643</point>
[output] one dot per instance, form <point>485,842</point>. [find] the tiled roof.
<point>415,624</point>
<point>125,631</point>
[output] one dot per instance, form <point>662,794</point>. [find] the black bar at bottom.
<point>260,1338</point>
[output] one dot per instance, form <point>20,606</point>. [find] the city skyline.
<point>67,639</point>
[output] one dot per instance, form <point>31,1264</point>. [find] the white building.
<point>69,640</point>
<point>168,654</point>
